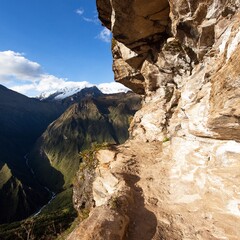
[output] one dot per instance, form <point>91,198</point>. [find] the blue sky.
<point>52,39</point>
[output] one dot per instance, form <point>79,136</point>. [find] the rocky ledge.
<point>178,175</point>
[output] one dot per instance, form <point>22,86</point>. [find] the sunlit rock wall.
<point>184,57</point>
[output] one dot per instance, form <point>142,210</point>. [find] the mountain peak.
<point>2,87</point>
<point>103,88</point>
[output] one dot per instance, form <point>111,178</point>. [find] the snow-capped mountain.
<point>67,92</point>
<point>113,87</point>
<point>106,88</point>
<point>64,91</point>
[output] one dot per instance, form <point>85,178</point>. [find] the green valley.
<point>41,145</point>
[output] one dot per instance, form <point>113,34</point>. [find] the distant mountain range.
<point>106,88</point>
<point>40,141</point>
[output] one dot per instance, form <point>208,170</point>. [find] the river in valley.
<point>52,194</point>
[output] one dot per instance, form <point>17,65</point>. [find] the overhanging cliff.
<point>183,156</point>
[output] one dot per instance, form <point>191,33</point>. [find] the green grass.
<point>5,175</point>
<point>84,179</point>
<point>63,235</point>
<point>88,156</point>
<point>54,220</point>
<point>166,139</point>
<point>62,202</point>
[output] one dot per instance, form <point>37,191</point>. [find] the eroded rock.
<point>183,157</point>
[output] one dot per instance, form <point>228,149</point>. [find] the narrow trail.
<point>141,174</point>
<point>133,174</point>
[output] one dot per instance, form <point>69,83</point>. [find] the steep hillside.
<point>51,162</point>
<point>96,118</point>
<point>22,121</point>
<point>177,178</point>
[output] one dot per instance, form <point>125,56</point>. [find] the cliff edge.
<point>178,175</point>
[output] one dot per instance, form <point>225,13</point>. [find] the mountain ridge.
<point>47,163</point>
<point>22,121</point>
<point>93,117</point>
<point>105,88</point>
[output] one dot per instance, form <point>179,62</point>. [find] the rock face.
<point>183,56</point>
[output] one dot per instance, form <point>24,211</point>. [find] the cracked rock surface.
<point>178,176</point>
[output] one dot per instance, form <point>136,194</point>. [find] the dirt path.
<point>141,179</point>
<point>136,169</point>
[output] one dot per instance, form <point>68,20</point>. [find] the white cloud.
<point>15,65</point>
<point>94,19</point>
<point>50,84</point>
<point>80,11</point>
<point>112,87</point>
<point>27,77</point>
<point>105,35</point>
<point>91,20</point>
<point>23,88</point>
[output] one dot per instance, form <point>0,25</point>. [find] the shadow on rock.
<point>143,222</point>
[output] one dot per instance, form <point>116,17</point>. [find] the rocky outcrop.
<point>194,50</point>
<point>108,199</point>
<point>183,56</point>
<point>136,42</point>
